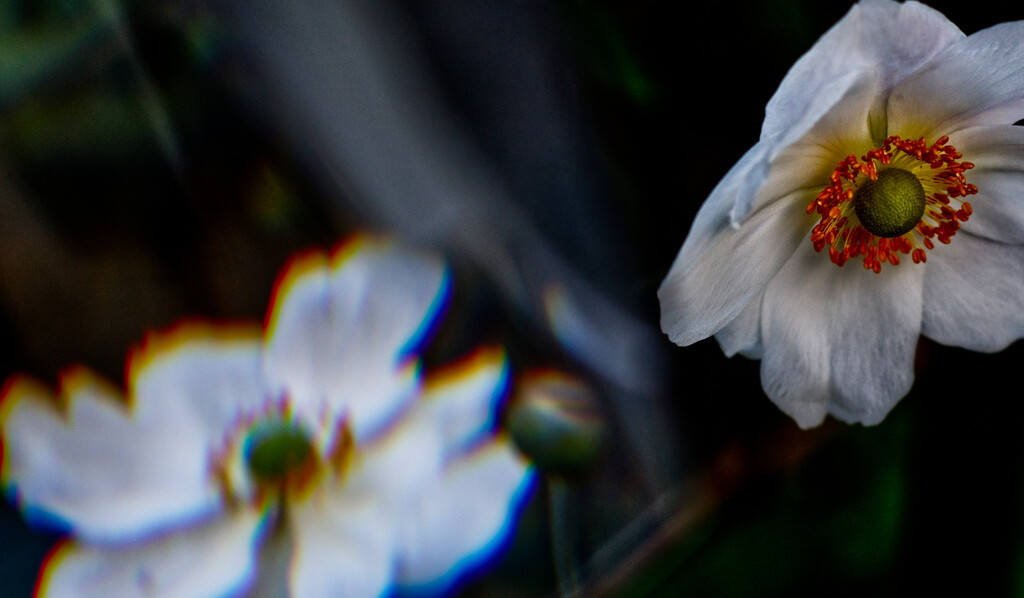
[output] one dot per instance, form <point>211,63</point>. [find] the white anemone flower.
<point>315,462</point>
<point>868,153</point>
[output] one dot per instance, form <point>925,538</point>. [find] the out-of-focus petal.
<point>978,80</point>
<point>343,547</point>
<point>197,373</point>
<point>299,326</point>
<point>720,269</point>
<point>340,336</point>
<point>109,476</point>
<point>974,294</point>
<point>889,38</point>
<point>464,519</point>
<point>461,401</point>
<point>399,291</point>
<point>997,153</point>
<point>214,559</point>
<point>839,340</point>
<point>396,467</point>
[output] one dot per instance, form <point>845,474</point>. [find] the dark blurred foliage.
<point>152,167</point>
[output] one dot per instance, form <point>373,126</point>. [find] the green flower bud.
<point>556,421</point>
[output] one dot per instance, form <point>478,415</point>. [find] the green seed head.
<point>275,449</point>
<point>891,205</point>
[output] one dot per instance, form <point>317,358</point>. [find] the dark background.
<point>155,164</point>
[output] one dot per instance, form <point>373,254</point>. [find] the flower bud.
<point>555,419</point>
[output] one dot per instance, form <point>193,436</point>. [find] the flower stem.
<point>563,537</point>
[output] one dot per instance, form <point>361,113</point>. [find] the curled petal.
<point>720,269</point>
<point>722,264</point>
<point>743,334</point>
<point>832,101</point>
<point>807,161</point>
<point>804,157</point>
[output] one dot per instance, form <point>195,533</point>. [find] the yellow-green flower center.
<point>896,199</point>
<point>890,205</point>
<point>276,450</point>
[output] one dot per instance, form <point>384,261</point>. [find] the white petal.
<point>978,80</point>
<point>398,465</point>
<point>464,519</point>
<point>743,334</point>
<point>997,153</point>
<point>198,375</point>
<point>888,38</point>
<point>343,547</point>
<point>341,336</point>
<point>974,294</point>
<point>833,98</point>
<point>398,292</point>
<point>795,368</point>
<point>998,206</point>
<point>215,559</point>
<point>736,191</point>
<point>720,269</point>
<point>840,340</point>
<point>298,330</point>
<point>109,476</point>
<point>819,115</point>
<point>461,401</point>
<point>807,162</point>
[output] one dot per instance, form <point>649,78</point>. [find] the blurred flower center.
<point>276,450</point>
<point>917,196</point>
<point>273,456</point>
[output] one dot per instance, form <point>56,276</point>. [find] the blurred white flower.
<point>313,463</point>
<point>864,155</point>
